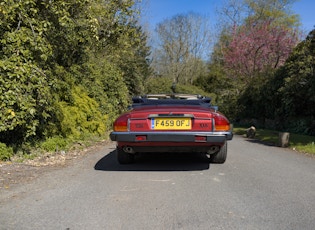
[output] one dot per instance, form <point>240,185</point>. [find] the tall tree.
<point>299,81</point>
<point>263,40</point>
<point>183,44</point>
<point>122,41</point>
<point>278,11</point>
<point>255,39</point>
<point>258,47</point>
<point>237,12</point>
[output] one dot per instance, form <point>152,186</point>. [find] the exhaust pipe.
<point>128,149</point>
<point>213,149</point>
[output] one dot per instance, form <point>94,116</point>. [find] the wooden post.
<point>284,139</point>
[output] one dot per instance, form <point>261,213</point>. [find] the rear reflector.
<point>200,138</point>
<point>141,138</point>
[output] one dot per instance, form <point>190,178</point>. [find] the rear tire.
<point>219,157</point>
<point>123,157</point>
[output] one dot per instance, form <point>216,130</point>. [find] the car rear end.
<point>171,128</point>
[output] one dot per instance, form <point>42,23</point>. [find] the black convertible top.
<point>171,99</point>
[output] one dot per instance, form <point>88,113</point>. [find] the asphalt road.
<point>259,187</point>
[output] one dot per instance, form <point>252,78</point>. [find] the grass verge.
<point>298,142</point>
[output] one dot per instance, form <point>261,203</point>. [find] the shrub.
<point>5,152</point>
<point>54,144</point>
<point>82,117</point>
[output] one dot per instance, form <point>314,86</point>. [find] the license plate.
<point>166,123</point>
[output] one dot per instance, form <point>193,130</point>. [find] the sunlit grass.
<point>300,143</point>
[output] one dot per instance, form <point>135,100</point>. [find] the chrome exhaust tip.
<point>128,149</point>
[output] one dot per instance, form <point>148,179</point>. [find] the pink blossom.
<point>257,47</point>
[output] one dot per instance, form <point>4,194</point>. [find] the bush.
<point>5,152</point>
<point>54,144</point>
<point>82,117</point>
<point>297,125</point>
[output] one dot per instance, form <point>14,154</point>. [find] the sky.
<point>156,11</point>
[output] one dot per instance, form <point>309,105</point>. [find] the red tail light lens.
<point>221,123</point>
<point>121,124</point>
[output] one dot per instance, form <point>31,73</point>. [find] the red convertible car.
<point>171,123</point>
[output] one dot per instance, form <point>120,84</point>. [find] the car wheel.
<point>220,156</point>
<point>123,157</point>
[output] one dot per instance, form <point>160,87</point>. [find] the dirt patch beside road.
<point>13,173</point>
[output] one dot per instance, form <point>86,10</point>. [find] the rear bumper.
<point>180,137</point>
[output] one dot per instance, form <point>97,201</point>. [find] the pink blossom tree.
<point>257,47</point>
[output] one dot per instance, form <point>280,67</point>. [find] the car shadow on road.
<point>156,162</point>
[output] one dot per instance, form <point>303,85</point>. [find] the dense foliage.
<point>67,67</point>
<point>250,58</point>
<point>277,73</point>
<point>291,94</point>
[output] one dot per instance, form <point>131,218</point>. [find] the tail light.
<point>121,123</point>
<point>221,123</point>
